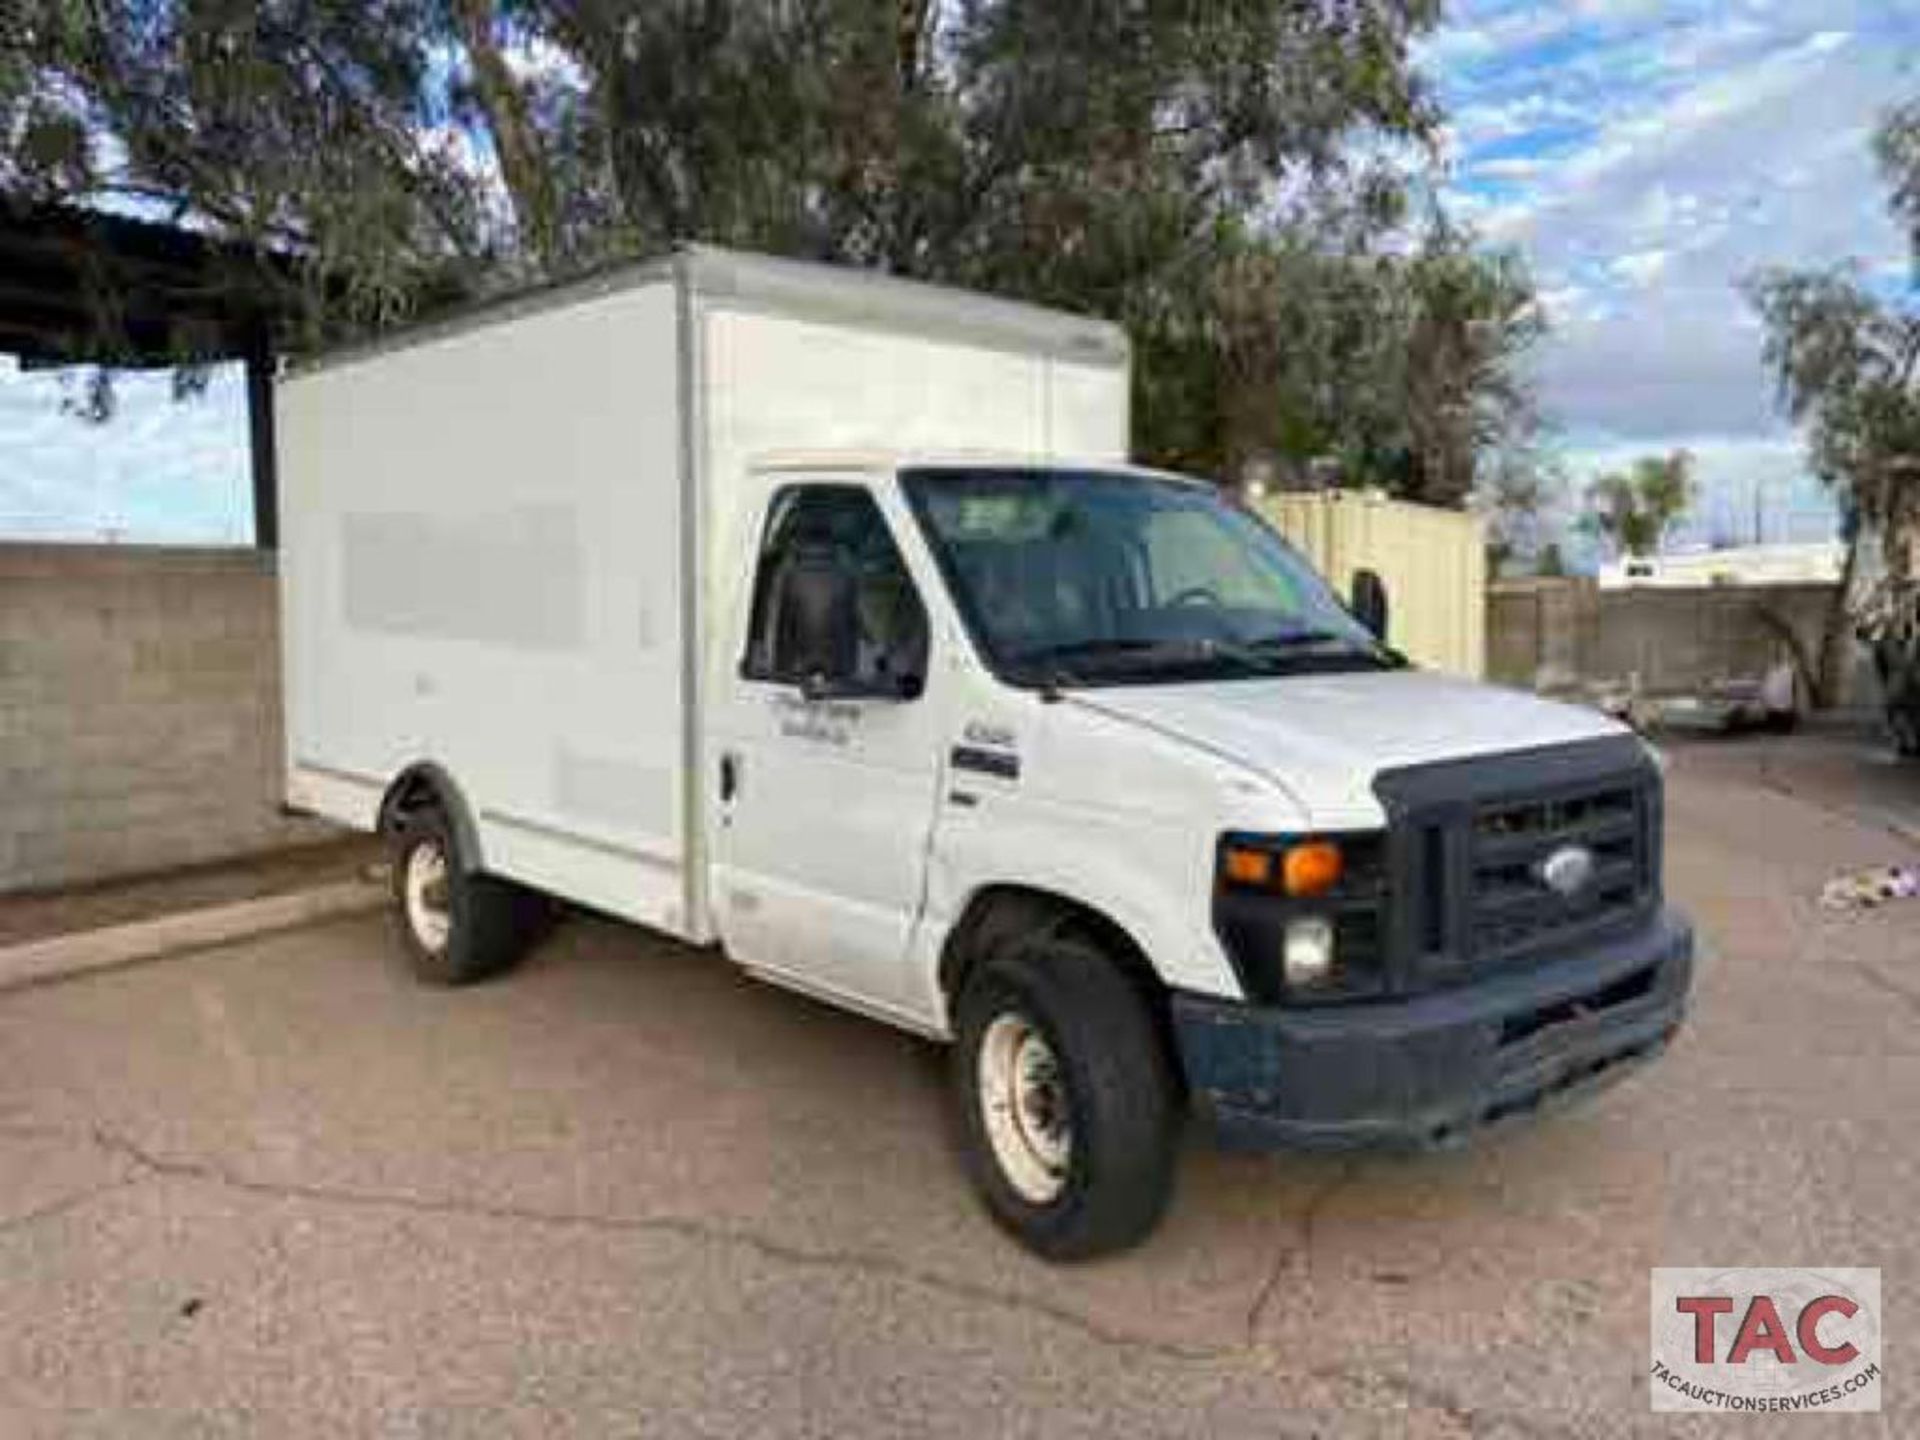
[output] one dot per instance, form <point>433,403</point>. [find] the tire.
<point>457,926</point>
<point>1099,1066</point>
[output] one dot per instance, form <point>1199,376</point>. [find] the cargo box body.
<point>499,533</point>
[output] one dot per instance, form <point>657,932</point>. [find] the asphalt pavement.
<point>277,1188</point>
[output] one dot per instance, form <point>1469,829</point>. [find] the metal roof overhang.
<point>83,287</point>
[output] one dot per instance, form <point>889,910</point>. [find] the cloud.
<point>1641,267</point>
<point>1699,122</point>
<point>1513,167</point>
<point>1651,372</point>
<point>1645,158</point>
<point>1500,33</point>
<point>537,59</point>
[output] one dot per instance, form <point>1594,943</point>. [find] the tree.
<point>301,126</point>
<point>504,102</point>
<point>1404,368</point>
<point>1519,501</point>
<point>1844,360</point>
<point>1475,317</point>
<point>1845,357</point>
<point>1192,172</point>
<point>1633,509</point>
<point>1896,146</point>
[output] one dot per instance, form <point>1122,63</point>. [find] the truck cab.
<point>1084,769</point>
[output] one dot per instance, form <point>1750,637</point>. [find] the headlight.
<point>1307,952</point>
<point>1303,918</point>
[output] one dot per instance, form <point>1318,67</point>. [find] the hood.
<point>1322,738</point>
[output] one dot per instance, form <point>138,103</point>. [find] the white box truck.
<point>818,616</point>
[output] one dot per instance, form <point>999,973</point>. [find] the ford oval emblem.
<point>1567,870</point>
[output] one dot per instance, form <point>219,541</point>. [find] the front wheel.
<point>1068,1104</point>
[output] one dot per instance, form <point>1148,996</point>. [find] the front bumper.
<point>1426,1070</point>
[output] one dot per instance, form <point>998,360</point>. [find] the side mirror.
<point>1369,602</point>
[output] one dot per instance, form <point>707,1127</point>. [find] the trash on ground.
<point>1864,889</point>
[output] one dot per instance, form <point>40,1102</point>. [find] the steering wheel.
<point>1195,595</point>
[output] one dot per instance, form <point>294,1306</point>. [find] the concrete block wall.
<point>1549,634</point>
<point>140,721</point>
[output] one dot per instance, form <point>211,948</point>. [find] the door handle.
<point>729,776</point>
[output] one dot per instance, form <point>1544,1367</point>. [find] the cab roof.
<point>871,460</point>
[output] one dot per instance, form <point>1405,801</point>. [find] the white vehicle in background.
<point>607,594</point>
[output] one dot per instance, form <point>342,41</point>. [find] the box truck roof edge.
<point>803,289</point>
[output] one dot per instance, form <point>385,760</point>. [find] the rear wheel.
<point>1068,1104</point>
<point>456,926</point>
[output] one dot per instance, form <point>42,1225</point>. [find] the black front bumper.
<point>1424,1071</point>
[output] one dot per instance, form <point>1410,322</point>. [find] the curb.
<point>37,962</point>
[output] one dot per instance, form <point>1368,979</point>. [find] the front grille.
<point>1510,906</point>
<point>1471,844</point>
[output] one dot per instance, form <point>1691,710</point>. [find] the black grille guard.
<point>1467,842</point>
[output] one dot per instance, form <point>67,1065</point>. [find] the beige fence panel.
<point>1433,562</point>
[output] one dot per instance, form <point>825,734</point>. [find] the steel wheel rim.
<point>428,915</point>
<point>1023,1102</point>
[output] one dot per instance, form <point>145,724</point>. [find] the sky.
<point>160,472</point>
<point>1643,155</point>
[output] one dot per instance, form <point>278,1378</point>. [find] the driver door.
<point>827,755</point>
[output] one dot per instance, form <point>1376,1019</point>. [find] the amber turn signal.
<point>1312,868</point>
<point>1248,867</point>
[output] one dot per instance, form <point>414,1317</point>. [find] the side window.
<point>832,598</point>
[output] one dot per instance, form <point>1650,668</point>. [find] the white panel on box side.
<point>1087,409</point>
<point>482,564</point>
<point>779,383</point>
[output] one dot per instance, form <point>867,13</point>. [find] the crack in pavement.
<point>211,1172</point>
<point>1309,1217</point>
<point>148,1164</point>
<point>28,1130</point>
<point>54,1209</point>
<point>1887,983</point>
<point>1871,816</point>
<point>1471,1419</point>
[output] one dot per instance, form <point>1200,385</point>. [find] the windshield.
<point>1110,577</point>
